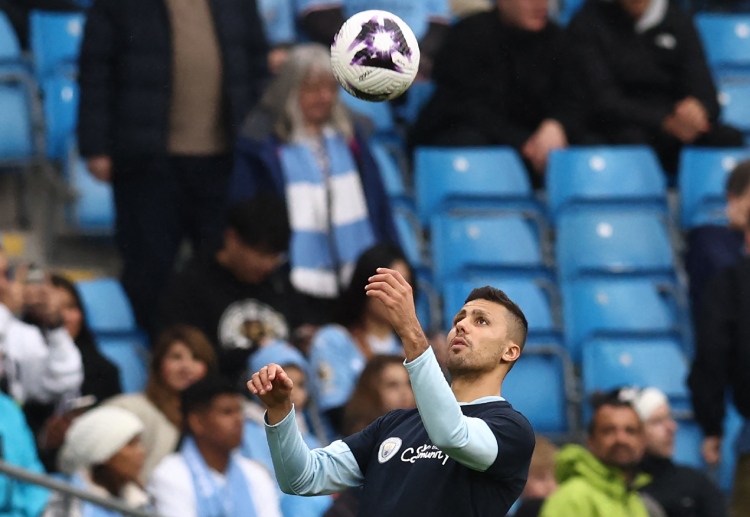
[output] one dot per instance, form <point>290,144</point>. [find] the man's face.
<point>221,423</point>
<point>635,8</point>
<point>659,431</point>
<point>250,264</point>
<point>529,15</point>
<point>617,438</point>
<point>478,343</point>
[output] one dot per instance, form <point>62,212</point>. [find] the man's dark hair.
<point>261,222</point>
<point>201,395</point>
<point>518,327</point>
<point>739,179</point>
<point>600,399</point>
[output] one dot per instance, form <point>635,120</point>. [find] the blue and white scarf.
<point>327,213</point>
<point>232,500</point>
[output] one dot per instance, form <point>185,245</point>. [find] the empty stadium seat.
<point>131,359</point>
<point>378,112</point>
<point>538,387</point>
<point>106,306</point>
<point>491,243</point>
<point>418,94</point>
<point>687,444</point>
<point>533,299</point>
<point>605,176</point>
<point>93,210</point>
<point>10,48</point>
<point>605,242</point>
<point>407,227</point>
<point>726,41</point>
<point>660,363</point>
<point>470,178</point>
<point>60,114</point>
<point>392,176</point>
<point>735,105</point>
<point>702,181</point>
<point>621,307</point>
<point>55,39</point>
<point>17,143</point>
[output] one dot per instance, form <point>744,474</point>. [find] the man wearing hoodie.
<point>603,480</point>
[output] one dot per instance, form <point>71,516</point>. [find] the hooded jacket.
<point>589,488</point>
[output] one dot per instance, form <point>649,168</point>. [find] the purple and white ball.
<point>375,56</point>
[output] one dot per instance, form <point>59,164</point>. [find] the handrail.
<point>34,478</point>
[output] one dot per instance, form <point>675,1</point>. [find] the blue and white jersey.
<point>337,362</point>
<point>416,13</point>
<point>405,474</point>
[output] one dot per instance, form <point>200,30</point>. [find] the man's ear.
<point>511,353</point>
<point>195,424</point>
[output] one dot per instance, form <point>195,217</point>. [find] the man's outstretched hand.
<point>273,387</point>
<point>391,288</point>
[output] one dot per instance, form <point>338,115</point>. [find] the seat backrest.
<point>60,113</point>
<point>613,242</point>
<point>129,356</point>
<point>687,444</point>
<point>409,237</point>
<point>614,306</point>
<point>393,179</point>
<point>726,39</point>
<point>445,177</point>
<point>107,307</point>
<point>55,39</point>
<point>378,112</point>
<point>536,388</point>
<point>10,48</point>
<point>482,243</point>
<point>16,129</point>
<point>604,175</point>
<point>702,183</point>
<point>734,99</point>
<point>525,292</point>
<point>658,363</point>
<point>93,209</point>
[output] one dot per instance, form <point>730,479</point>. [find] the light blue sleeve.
<point>334,374</point>
<point>302,471</point>
<point>468,440</point>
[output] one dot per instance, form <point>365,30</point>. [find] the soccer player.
<point>463,451</point>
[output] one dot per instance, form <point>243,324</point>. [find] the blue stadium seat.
<point>470,178</point>
<point>393,177</point>
<point>55,40</point>
<point>16,126</point>
<point>735,105</point>
<point>659,363</point>
<point>568,9</point>
<point>130,357</point>
<point>418,94</point>
<point>726,41</point>
<point>407,227</point>
<point>605,242</point>
<point>93,210</point>
<point>480,244</point>
<point>60,113</point>
<point>605,176</point>
<point>702,180</point>
<point>531,296</point>
<point>11,57</point>
<point>106,306</point>
<point>538,386</point>
<point>687,444</point>
<point>378,112</point>
<point>615,307</point>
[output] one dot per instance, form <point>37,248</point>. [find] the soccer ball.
<point>375,56</point>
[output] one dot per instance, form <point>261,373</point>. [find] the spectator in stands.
<point>302,143</point>
<point>541,482</point>
<point>429,19</point>
<point>504,77</point>
<point>383,386</point>
<point>17,449</point>
<point>37,363</point>
<point>339,351</point>
<point>603,480</point>
<point>712,248</point>
<point>647,78</point>
<point>18,12</point>
<point>163,89</point>
<point>208,476</point>
<point>681,491</point>
<point>254,441</point>
<point>103,454</point>
<point>101,378</point>
<point>721,363</point>
<point>238,295</point>
<point>182,356</point>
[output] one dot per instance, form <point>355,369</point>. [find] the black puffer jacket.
<point>126,73</point>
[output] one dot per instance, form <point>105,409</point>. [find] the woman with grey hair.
<point>303,144</point>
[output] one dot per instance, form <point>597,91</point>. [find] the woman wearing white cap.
<point>103,454</point>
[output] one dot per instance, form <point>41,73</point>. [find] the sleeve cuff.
<point>288,420</point>
<point>416,363</point>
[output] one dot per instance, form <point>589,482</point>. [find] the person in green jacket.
<point>603,480</point>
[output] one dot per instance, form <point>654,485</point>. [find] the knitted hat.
<point>96,436</point>
<point>644,401</point>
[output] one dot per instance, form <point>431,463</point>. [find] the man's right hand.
<point>274,388</point>
<point>711,449</point>
<point>100,167</point>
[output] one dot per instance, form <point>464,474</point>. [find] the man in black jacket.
<point>647,78</point>
<point>503,77</point>
<point>164,85</point>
